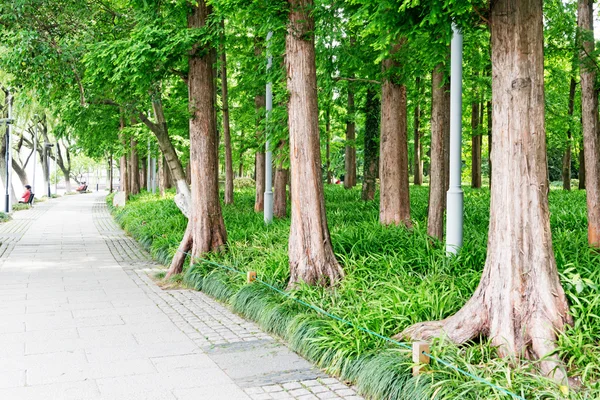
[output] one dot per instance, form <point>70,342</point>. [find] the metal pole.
<point>35,134</point>
<point>454,213</point>
<point>268,154</point>
<point>148,172</point>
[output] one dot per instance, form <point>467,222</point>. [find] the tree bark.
<point>489,128</point>
<point>21,173</point>
<point>110,174</point>
<point>143,172</point>
<point>124,173</point>
<point>310,252</point>
<point>475,147</point>
<point>350,156</point>
<point>566,168</point>
<point>281,178</point>
<point>394,203</point>
<point>418,147</point>
<point>163,180</point>
<point>65,167</point>
<point>259,171</point>
<point>328,146</point>
<point>589,112</point>
<point>134,174</point>
<point>519,303</point>
<point>371,145</point>
<point>226,131</point>
<point>438,167</point>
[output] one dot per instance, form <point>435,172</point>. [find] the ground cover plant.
<point>394,277</point>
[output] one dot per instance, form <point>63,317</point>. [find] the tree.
<point>310,252</point>
<point>394,204</point>
<point>589,111</point>
<point>371,144</point>
<point>226,126</point>
<point>418,145</point>
<point>205,231</point>
<point>519,302</point>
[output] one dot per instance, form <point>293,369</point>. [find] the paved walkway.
<point>81,319</point>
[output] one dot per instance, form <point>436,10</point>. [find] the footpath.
<point>81,319</point>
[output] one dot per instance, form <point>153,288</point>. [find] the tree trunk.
<point>566,168</point>
<point>110,174</point>
<point>475,147</point>
<point>281,178</point>
<point>371,145</point>
<point>446,116</point>
<point>519,303</point>
<point>134,174</point>
<point>310,252</point>
<point>350,156</point>
<point>163,180</point>
<point>144,172</point>
<point>438,167</point>
<point>259,179</point>
<point>205,226</point>
<point>394,203</point>
<point>226,132</point>
<point>21,173</point>
<point>418,147</point>
<point>589,112</point>
<point>489,128</point>
<point>124,173</point>
<point>328,147</point>
<point>581,174</point>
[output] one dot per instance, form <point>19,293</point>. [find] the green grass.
<point>394,277</point>
<point>4,217</point>
<point>20,207</point>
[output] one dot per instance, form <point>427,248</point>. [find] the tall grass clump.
<point>394,277</point>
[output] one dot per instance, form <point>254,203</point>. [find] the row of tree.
<point>108,68</point>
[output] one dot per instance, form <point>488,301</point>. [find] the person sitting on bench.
<point>26,196</point>
<point>82,187</point>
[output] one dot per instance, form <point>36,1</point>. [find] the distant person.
<point>26,196</point>
<point>81,187</point>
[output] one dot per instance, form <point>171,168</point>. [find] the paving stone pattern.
<point>81,319</point>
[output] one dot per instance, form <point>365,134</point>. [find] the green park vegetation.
<point>394,277</point>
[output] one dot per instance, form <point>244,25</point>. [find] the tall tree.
<point>371,145</point>
<point>205,231</point>
<point>226,126</point>
<point>350,154</point>
<point>519,303</point>
<point>418,145</point>
<point>440,102</point>
<point>589,111</point>
<point>394,204</point>
<point>566,166</point>
<point>259,164</point>
<point>310,252</point>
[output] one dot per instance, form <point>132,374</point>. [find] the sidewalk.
<point>81,319</point>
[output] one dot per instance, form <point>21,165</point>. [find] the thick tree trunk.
<point>394,203</point>
<point>21,173</point>
<point>226,132</point>
<point>310,252</point>
<point>279,191</point>
<point>438,167</point>
<point>350,155</point>
<point>259,179</point>
<point>566,167</point>
<point>418,147</point>
<point>589,112</point>
<point>475,147</point>
<point>519,303</point>
<point>371,145</point>
<point>134,174</point>
<point>581,173</point>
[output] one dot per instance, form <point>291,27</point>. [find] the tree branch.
<point>340,78</point>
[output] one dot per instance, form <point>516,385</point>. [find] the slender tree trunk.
<point>490,142</point>
<point>310,252</point>
<point>124,173</point>
<point>328,147</point>
<point>438,166</point>
<point>418,147</point>
<point>394,203</point>
<point>566,168</point>
<point>519,303</point>
<point>371,145</point>
<point>135,169</point>
<point>144,172</point>
<point>350,155</point>
<point>259,171</point>
<point>589,112</point>
<point>226,132</point>
<point>163,180</point>
<point>581,174</point>
<point>281,178</point>
<point>110,174</point>
<point>475,147</point>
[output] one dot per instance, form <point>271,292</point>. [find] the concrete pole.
<point>454,212</point>
<point>8,205</point>
<point>35,134</point>
<point>268,153</point>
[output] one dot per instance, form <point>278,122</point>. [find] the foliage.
<point>395,277</point>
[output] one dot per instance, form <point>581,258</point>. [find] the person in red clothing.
<point>27,195</point>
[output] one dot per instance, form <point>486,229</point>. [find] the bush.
<point>394,277</point>
<point>4,217</point>
<point>20,207</point>
<point>243,183</point>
